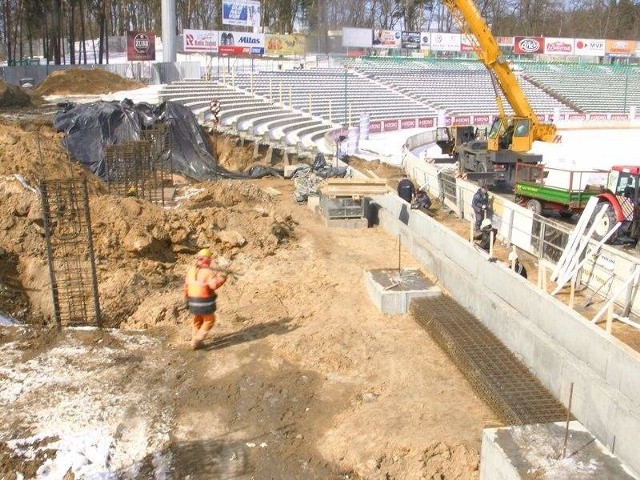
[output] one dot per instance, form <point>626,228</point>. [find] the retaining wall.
<point>558,345</point>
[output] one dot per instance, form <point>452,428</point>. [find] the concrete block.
<point>624,441</point>
<point>548,365</point>
<point>628,367</point>
<point>346,222</point>
<point>600,414</point>
<point>528,451</point>
<point>392,291</point>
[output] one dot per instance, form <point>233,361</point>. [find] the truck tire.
<point>535,206</point>
<point>607,222</point>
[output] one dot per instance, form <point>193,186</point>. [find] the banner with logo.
<point>620,47</point>
<point>141,46</point>
<point>449,42</point>
<point>468,43</point>
<point>356,37</point>
<point>241,43</point>
<point>200,41</point>
<point>245,13</point>
<point>410,40</point>
<point>589,47</point>
<point>386,39</point>
<point>277,44</point>
<point>528,45</point>
<point>425,41</point>
<point>558,46</point>
<point>505,41</point>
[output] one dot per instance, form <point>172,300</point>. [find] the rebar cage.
<point>72,269</point>
<point>142,169</point>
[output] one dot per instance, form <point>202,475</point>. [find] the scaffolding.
<point>72,267</point>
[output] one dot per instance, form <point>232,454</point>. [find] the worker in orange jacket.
<point>200,285</point>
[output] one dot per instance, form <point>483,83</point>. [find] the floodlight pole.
<point>346,70</point>
<point>168,10</point>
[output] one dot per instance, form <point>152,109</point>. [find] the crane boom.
<point>466,13</point>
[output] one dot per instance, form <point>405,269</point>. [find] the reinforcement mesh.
<point>514,394</point>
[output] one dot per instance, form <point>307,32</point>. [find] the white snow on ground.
<point>149,94</point>
<point>83,401</point>
<point>6,321</point>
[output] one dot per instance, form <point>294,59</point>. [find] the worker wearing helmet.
<point>200,285</point>
<point>486,235</point>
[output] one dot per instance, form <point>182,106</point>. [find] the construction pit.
<point>303,376</point>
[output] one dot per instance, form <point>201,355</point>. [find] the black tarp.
<point>90,127</point>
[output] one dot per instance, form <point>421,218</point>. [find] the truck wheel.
<point>535,206</point>
<point>607,222</point>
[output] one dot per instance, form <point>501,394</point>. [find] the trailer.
<point>544,189</point>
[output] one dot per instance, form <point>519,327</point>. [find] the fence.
<point>152,73</point>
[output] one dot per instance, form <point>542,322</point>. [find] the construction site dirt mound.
<point>14,96</point>
<point>76,81</point>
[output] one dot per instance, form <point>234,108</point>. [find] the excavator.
<point>492,161</point>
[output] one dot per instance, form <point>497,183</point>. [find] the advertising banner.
<point>203,41</point>
<point>589,47</point>
<point>481,120</point>
<point>241,43</point>
<point>505,41</point>
<point>245,13</point>
<point>426,122</point>
<point>375,126</point>
<point>141,46</point>
<point>462,120</point>
<point>528,45</point>
<point>468,43</point>
<point>410,40</point>
<point>390,125</point>
<point>425,41</point>
<point>449,42</point>
<point>558,46</point>
<point>620,47</point>
<point>386,39</point>
<point>356,37</point>
<point>286,44</point>
<point>408,123</point>
<point>619,116</point>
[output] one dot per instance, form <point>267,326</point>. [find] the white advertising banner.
<point>200,41</point>
<point>449,42</point>
<point>558,46</point>
<point>245,13</point>
<point>241,43</point>
<point>589,47</point>
<point>425,41</point>
<point>386,39</point>
<point>357,37</point>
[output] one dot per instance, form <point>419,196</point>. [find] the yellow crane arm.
<point>468,17</point>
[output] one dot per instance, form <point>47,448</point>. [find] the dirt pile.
<point>85,81</point>
<point>33,150</point>
<point>13,96</point>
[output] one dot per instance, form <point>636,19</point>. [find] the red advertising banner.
<point>462,120</point>
<point>481,120</point>
<point>528,45</point>
<point>141,46</point>
<point>426,122</point>
<point>619,116</point>
<point>447,121</point>
<point>375,127</point>
<point>597,116</point>
<point>577,116</point>
<point>408,123</point>
<point>390,125</point>
<point>541,117</point>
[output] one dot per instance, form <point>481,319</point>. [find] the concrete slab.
<point>535,451</point>
<point>346,222</point>
<point>313,202</point>
<point>392,290</point>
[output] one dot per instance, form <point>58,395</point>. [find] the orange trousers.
<point>202,325</point>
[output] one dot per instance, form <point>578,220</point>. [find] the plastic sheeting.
<point>90,127</point>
